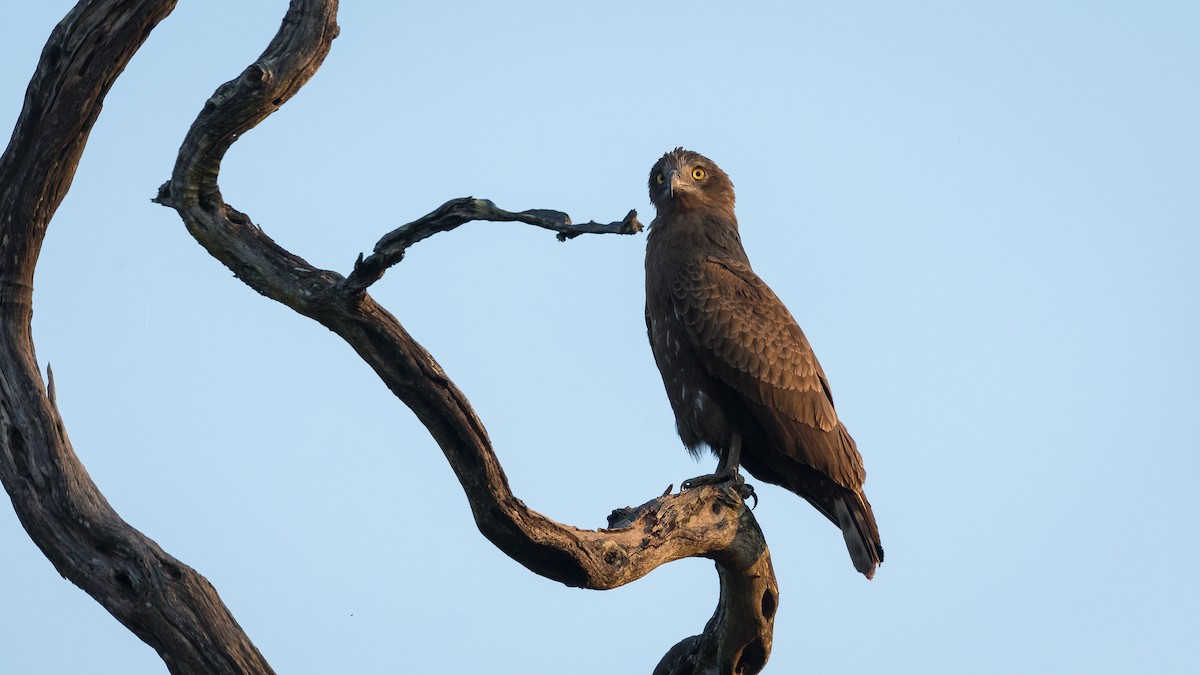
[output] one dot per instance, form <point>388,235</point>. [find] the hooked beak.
<point>674,182</point>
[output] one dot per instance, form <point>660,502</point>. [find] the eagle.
<point>740,375</point>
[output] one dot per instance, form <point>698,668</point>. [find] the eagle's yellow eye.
<point>698,173</point>
<point>659,179</point>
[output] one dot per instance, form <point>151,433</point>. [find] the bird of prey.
<point>739,373</point>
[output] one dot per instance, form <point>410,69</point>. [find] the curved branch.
<point>164,602</point>
<point>708,521</point>
<point>391,247</point>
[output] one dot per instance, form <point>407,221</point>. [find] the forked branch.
<point>703,522</point>
<point>708,521</point>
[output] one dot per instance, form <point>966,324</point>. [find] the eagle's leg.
<point>731,459</point>
<point>727,471</point>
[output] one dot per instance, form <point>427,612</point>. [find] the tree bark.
<point>163,601</point>
<point>166,603</point>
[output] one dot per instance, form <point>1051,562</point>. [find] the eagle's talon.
<point>718,478</point>
<point>746,491</point>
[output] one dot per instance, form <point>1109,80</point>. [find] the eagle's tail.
<point>854,517</point>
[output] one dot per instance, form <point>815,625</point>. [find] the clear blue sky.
<point>986,216</point>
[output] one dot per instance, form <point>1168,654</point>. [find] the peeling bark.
<point>164,602</point>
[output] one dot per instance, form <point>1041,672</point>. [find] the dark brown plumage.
<point>739,373</point>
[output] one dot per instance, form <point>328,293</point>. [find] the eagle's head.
<point>687,180</point>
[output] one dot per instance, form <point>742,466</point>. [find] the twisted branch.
<point>184,620</point>
<point>704,522</point>
<point>164,602</point>
<point>391,247</point>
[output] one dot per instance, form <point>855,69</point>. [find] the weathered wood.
<point>169,605</point>
<point>704,522</point>
<point>738,637</point>
<point>391,247</point>
<point>163,601</point>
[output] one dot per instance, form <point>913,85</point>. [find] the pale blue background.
<point>985,216</point>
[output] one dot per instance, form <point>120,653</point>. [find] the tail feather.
<point>857,522</point>
<point>845,506</point>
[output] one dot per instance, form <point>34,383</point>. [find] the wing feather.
<point>746,337</point>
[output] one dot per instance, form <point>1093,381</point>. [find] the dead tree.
<point>164,602</point>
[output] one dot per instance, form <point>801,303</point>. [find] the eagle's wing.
<point>747,338</point>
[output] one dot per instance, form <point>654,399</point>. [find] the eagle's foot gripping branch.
<point>737,484</point>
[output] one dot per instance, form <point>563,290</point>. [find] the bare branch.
<point>737,639</point>
<point>703,522</point>
<point>164,602</point>
<point>391,247</point>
